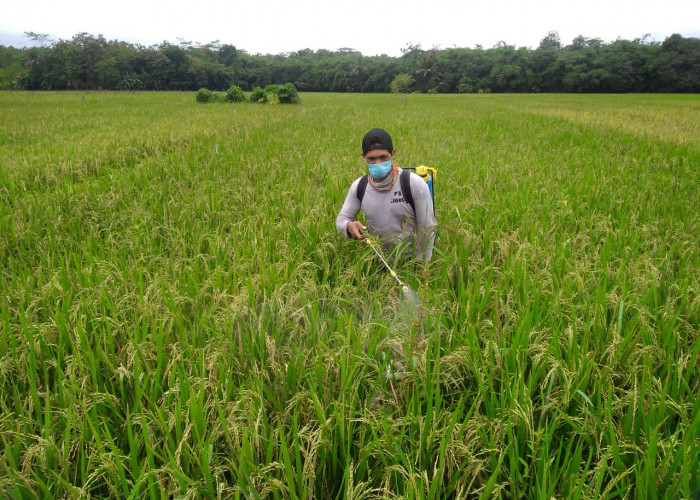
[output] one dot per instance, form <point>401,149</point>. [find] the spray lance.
<point>409,294</point>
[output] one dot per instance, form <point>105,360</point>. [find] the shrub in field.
<point>204,95</point>
<point>287,94</point>
<point>258,96</point>
<point>273,88</point>
<point>234,94</point>
<point>274,93</point>
<point>271,91</point>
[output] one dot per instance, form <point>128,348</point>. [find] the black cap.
<point>376,138</point>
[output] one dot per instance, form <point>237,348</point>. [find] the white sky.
<point>381,27</point>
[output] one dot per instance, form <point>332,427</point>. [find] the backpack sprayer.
<point>428,174</point>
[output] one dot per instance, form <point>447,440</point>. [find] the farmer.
<point>391,219</point>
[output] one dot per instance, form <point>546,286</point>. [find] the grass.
<point>179,317</point>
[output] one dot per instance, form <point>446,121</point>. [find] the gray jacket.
<point>391,219</point>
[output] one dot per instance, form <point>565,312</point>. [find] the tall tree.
<point>585,65</point>
<point>677,66</point>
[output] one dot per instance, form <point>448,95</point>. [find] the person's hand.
<point>355,229</point>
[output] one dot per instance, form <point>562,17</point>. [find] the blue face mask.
<point>379,170</point>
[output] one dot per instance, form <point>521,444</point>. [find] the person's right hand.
<point>355,229</point>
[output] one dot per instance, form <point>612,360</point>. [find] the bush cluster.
<point>258,96</point>
<point>205,95</point>
<point>233,94</point>
<point>287,94</point>
<point>282,94</point>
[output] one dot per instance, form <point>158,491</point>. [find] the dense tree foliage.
<point>586,65</point>
<point>10,66</point>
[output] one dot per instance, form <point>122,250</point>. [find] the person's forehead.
<point>378,152</point>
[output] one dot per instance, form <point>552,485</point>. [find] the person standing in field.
<point>403,230</point>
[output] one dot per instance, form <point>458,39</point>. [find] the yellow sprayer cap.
<point>425,171</point>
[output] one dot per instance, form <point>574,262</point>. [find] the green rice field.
<point>179,317</point>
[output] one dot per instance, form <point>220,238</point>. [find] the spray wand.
<point>409,294</point>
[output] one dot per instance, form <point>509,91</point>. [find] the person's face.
<point>378,156</point>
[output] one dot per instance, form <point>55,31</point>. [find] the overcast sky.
<point>382,27</point>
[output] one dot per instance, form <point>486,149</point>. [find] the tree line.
<point>586,65</point>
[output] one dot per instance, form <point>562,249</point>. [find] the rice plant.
<point>179,317</point>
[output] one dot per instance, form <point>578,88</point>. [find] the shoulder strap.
<point>361,187</point>
<point>405,180</point>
